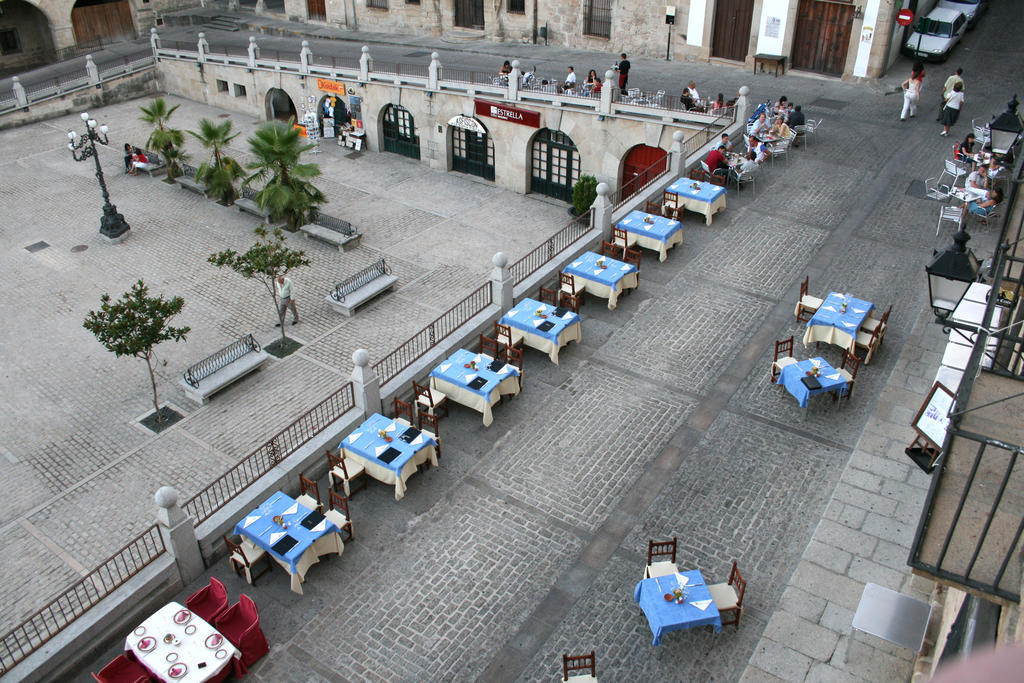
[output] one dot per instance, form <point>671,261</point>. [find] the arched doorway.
<point>25,37</point>
<point>280,105</point>
<point>101,21</point>
<point>641,164</point>
<point>554,164</point>
<point>472,149</point>
<point>399,129</point>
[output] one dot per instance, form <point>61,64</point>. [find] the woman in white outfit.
<point>912,91</point>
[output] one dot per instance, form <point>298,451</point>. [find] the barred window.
<point>377,4</point>
<point>597,18</point>
<point>517,6</point>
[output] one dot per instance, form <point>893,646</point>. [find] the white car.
<point>936,34</point>
<point>972,9</point>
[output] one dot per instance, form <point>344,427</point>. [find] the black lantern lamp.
<point>1006,129</point>
<point>112,224</point>
<point>950,274</point>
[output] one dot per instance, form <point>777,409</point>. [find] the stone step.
<point>463,35</point>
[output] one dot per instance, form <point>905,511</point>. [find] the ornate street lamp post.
<point>112,224</point>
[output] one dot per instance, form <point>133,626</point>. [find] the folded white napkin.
<point>380,449</point>
<point>815,362</point>
<point>647,226</point>
<point>835,376</point>
<point>537,322</point>
<point>567,316</point>
<point>829,308</point>
<point>513,313</point>
<point>505,369</point>
<point>479,357</point>
<point>320,527</point>
<point>418,440</point>
<point>598,271</point>
<point>859,310</point>
<point>249,520</point>
<point>276,536</point>
<point>701,604</point>
<point>391,427</point>
<point>682,579</point>
<point>444,367</point>
<point>626,267</point>
<point>576,264</point>
<point>470,377</point>
<point>845,323</point>
<point>292,510</point>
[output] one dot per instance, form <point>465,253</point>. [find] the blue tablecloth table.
<point>698,609</point>
<point>705,198</point>
<point>563,329</point>
<point>828,377</point>
<point>607,282</point>
<point>366,444</point>
<point>454,379</point>
<point>660,234</point>
<point>260,528</point>
<point>833,325</point>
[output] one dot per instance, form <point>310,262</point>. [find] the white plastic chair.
<point>933,189</point>
<point>780,148</point>
<point>744,177</point>
<point>955,169</point>
<point>981,132</point>
<point>951,214</point>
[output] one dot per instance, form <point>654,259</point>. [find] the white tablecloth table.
<point>459,393</point>
<point>364,442</point>
<point>523,317</point>
<point>188,648</point>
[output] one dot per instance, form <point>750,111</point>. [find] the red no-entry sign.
<point>904,17</point>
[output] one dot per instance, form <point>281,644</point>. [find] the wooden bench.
<point>361,287</point>
<point>187,179</point>
<point>157,164</point>
<point>332,230</point>
<point>247,202</point>
<point>778,61</point>
<point>216,371</point>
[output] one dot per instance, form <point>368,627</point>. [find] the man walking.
<point>623,69</point>
<point>947,89</point>
<point>286,300</point>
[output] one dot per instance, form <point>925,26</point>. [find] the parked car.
<point>936,34</point>
<point>972,9</point>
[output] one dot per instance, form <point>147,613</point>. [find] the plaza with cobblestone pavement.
<point>528,539</point>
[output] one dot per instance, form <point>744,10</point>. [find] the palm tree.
<point>287,191</point>
<point>165,140</point>
<point>221,171</point>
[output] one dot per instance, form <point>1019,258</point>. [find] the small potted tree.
<point>584,192</point>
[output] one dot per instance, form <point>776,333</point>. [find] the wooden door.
<point>102,22</point>
<point>822,36</point>
<point>642,163</point>
<point>469,13</point>
<point>316,10</point>
<point>731,34</point>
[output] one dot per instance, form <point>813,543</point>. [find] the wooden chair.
<point>209,601</point>
<point>427,424</point>
<point>610,249</point>
<point>514,357</point>
<point>340,468</point>
<point>338,513</point>
<point>719,179</point>
<point>489,346</point>
<point>507,336</point>
<point>848,370</point>
<point>783,357</point>
<point>244,556</point>
<point>579,663</point>
<point>807,305</point>
<point>403,411</point>
<point>661,567</point>
<point>620,238</point>
<point>567,287</point>
<point>868,342</point>
<point>309,493</point>
<point>871,324</point>
<point>653,208</point>
<point>633,257</point>
<point>698,174</point>
<point>883,325</point>
<point>123,669</point>
<point>430,399</point>
<point>728,596</point>
<point>547,296</point>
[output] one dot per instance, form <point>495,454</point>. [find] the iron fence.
<point>473,77</point>
<point>399,69</point>
<point>550,248</point>
<point>430,336</point>
<point>32,633</point>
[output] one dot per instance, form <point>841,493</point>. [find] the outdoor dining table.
<point>607,282</point>
<point>967,195</point>
<point>298,541</point>
<point>837,321</point>
<point>176,645</point>
<point>549,331</point>
<point>697,608</point>
<point>697,196</point>
<point>652,231</point>
<point>391,458</point>
<point>802,386</point>
<point>478,386</point>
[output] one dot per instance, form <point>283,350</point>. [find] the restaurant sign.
<point>330,86</point>
<point>467,122</point>
<point>503,112</point>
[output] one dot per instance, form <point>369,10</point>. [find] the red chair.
<point>210,601</point>
<point>240,624</point>
<point>123,670</point>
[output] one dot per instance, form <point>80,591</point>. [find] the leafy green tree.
<point>264,262</point>
<point>167,141</point>
<point>287,191</point>
<point>220,172</point>
<point>584,193</point>
<point>134,324</point>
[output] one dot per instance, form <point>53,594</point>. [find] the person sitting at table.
<point>592,84</point>
<point>995,171</point>
<point>726,142</point>
<point>506,68</point>
<point>978,179</point>
<point>686,99</point>
<point>760,126</point>
<point>782,106</point>
<point>984,207</point>
<point>718,104</point>
<point>717,162</point>
<point>758,148</point>
<point>693,91</point>
<point>780,130</point>
<point>749,164</point>
<point>964,149</point>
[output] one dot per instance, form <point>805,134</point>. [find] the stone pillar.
<point>433,71</point>
<point>19,92</point>
<point>513,81</point>
<point>365,383</point>
<point>254,52</point>
<point>94,73</point>
<point>501,282</point>
<point>677,162</point>
<point>305,57</point>
<point>154,40</point>
<point>743,107</point>
<point>365,64</point>
<point>260,7</point>
<point>605,107</point>
<point>603,211</point>
<point>179,535</point>
<point>202,46</point>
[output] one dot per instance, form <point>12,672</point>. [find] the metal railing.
<point>78,80</point>
<point>74,601</point>
<point>554,245</point>
<point>640,181</point>
<point>419,344</point>
<point>215,361</point>
<point>215,496</point>
<point>332,223</point>
<point>363,277</point>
